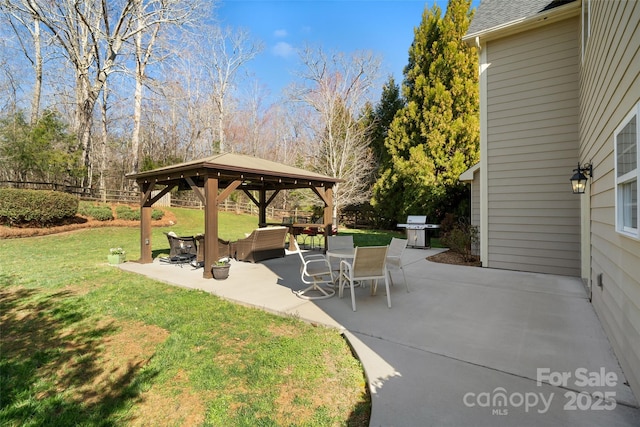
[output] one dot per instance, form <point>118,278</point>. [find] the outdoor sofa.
<point>263,243</point>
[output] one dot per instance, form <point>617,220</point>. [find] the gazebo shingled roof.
<point>213,179</point>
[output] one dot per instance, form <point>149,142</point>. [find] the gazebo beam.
<point>196,190</point>
<point>273,196</point>
<point>227,191</point>
<point>250,196</point>
<point>160,194</point>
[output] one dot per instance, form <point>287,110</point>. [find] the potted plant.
<point>220,269</point>
<point>116,256</point>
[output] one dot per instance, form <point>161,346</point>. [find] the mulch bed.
<point>450,257</point>
<point>79,223</point>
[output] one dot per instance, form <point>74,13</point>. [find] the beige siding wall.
<point>610,88</point>
<point>475,209</point>
<point>532,148</point>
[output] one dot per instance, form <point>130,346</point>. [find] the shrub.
<point>101,213</point>
<point>459,236</point>
<point>157,214</point>
<point>84,208</point>
<point>128,214</point>
<point>36,207</point>
<point>98,212</point>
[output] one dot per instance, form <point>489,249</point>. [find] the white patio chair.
<point>394,258</point>
<point>314,271</point>
<point>368,264</point>
<point>338,242</point>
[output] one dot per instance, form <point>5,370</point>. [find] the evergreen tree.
<point>381,119</point>
<point>435,136</point>
<point>42,152</point>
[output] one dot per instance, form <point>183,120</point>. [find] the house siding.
<point>609,89</point>
<point>475,210</point>
<point>532,148</point>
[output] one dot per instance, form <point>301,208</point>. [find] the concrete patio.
<point>466,346</point>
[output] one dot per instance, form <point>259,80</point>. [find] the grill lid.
<point>416,219</point>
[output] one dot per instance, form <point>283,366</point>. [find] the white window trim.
<point>620,228</point>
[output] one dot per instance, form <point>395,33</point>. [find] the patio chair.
<point>223,250</point>
<point>338,242</point>
<point>394,258</point>
<point>314,271</point>
<point>182,249</point>
<point>368,264</point>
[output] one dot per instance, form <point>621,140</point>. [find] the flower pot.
<point>220,272</point>
<point>115,259</point>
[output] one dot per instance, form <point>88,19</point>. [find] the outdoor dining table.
<point>295,229</point>
<point>341,254</point>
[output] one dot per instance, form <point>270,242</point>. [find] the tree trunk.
<point>37,67</point>
<point>136,148</point>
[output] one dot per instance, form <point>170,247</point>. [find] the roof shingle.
<point>492,13</point>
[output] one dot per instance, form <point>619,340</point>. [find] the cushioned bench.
<point>262,243</point>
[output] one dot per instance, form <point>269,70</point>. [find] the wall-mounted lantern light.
<point>579,179</point>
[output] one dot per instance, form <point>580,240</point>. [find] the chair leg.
<point>386,285</point>
<point>353,295</point>
<point>315,286</point>
<point>405,279</point>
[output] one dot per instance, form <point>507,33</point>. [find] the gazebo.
<point>213,179</point>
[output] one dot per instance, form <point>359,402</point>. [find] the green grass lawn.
<point>83,343</point>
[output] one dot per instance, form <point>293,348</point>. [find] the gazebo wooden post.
<point>145,224</point>
<point>328,214</point>
<point>211,253</point>
<point>262,207</point>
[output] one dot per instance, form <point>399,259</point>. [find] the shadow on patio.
<point>465,347</point>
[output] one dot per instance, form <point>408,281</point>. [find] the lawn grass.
<point>83,343</point>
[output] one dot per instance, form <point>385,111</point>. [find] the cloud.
<point>280,33</point>
<point>283,49</point>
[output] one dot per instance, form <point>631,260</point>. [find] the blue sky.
<point>382,26</point>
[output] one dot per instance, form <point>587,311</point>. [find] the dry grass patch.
<point>176,405</point>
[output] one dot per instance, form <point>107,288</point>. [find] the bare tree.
<point>32,51</point>
<point>92,34</point>
<point>336,88</point>
<point>180,113</point>
<point>145,50</point>
<point>252,135</point>
<point>9,75</point>
<point>226,50</point>
<point>142,54</point>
